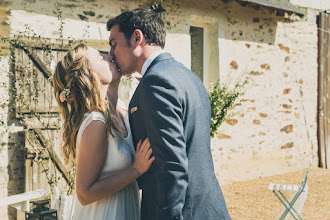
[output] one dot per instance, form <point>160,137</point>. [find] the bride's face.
<point>106,70</point>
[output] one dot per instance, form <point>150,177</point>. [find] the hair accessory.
<point>64,95</point>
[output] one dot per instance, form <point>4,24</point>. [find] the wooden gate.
<point>324,91</point>
<point>34,62</point>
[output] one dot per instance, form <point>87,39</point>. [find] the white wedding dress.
<point>124,204</point>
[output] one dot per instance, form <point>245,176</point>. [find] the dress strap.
<point>93,116</point>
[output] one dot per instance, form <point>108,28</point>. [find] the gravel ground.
<point>251,199</point>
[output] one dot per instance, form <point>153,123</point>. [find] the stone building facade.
<point>274,128</point>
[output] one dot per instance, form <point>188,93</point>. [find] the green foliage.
<point>223,100</point>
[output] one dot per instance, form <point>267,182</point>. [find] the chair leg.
<point>291,206</point>
<point>288,207</point>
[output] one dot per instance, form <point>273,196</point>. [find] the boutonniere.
<point>134,109</point>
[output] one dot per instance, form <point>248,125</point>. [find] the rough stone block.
<point>286,91</point>
<point>231,121</point>
<point>287,106</point>
<point>223,136</point>
<point>287,129</point>
<point>287,145</point>
<point>265,66</point>
<point>234,65</point>
<point>286,49</point>
<point>256,73</point>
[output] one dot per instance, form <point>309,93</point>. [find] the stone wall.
<point>268,133</point>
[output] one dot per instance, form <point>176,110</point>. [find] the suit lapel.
<point>135,101</point>
<point>159,58</point>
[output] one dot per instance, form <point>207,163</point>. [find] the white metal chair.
<point>295,206</point>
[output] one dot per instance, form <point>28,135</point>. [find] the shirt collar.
<point>149,61</point>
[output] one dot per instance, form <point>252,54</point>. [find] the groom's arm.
<point>162,110</point>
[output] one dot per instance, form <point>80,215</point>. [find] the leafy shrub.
<point>222,100</point>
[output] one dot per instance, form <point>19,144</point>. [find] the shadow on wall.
<point>16,154</point>
<point>259,30</point>
<point>16,169</point>
<point>84,10</point>
<point>235,22</point>
<point>254,24</point>
<point>243,23</point>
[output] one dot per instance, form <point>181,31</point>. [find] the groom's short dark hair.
<point>151,25</point>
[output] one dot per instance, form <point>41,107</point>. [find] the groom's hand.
<point>143,161</point>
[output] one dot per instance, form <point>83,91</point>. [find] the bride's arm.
<point>92,154</point>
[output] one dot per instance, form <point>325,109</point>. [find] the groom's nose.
<point>108,57</point>
<point>111,52</point>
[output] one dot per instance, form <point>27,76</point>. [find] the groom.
<point>172,108</point>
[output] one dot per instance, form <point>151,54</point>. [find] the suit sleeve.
<point>162,110</point>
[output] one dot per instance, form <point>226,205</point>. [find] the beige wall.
<point>317,4</point>
<point>268,134</point>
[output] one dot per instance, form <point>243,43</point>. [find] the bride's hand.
<point>143,161</point>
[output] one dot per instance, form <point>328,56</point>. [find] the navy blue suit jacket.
<point>172,108</point>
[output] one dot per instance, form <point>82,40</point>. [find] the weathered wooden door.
<point>34,62</point>
<point>324,91</point>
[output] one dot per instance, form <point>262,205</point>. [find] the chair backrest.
<point>306,176</point>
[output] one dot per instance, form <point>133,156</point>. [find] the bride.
<point>96,134</point>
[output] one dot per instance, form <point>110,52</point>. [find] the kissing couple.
<point>160,144</point>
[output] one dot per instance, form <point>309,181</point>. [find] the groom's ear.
<point>138,37</point>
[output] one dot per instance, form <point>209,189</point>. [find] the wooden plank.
<point>37,61</point>
<point>35,176</point>
<point>22,197</point>
<point>327,101</point>
<point>18,76</point>
<point>28,175</point>
<point>41,43</point>
<point>41,83</point>
<point>59,45</point>
<point>34,90</point>
<point>31,153</point>
<point>48,85</point>
<point>57,142</point>
<point>25,77</point>
<point>322,94</point>
<point>41,110</point>
<point>55,158</point>
<point>51,170</point>
<point>29,81</point>
<point>327,69</point>
<point>322,98</point>
<point>55,60</point>
<point>42,180</point>
<point>45,122</point>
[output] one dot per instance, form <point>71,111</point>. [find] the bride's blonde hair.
<point>81,87</point>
